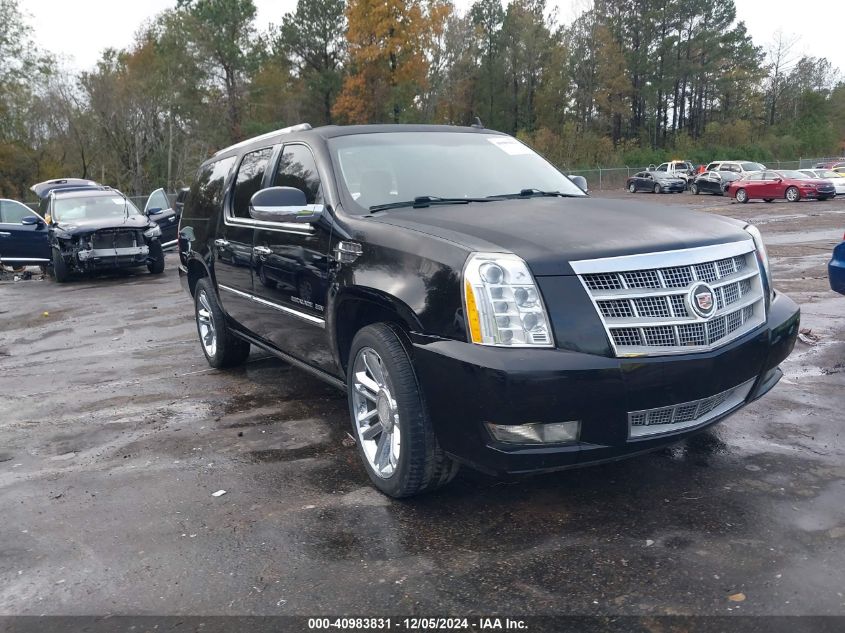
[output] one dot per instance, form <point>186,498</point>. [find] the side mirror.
<point>778,179</point>
<point>717,175</point>
<point>155,211</point>
<point>581,182</point>
<point>282,204</point>
<point>31,220</point>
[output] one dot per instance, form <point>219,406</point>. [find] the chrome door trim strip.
<point>302,228</point>
<point>301,315</point>
<point>23,259</point>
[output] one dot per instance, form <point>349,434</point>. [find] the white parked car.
<point>837,179</point>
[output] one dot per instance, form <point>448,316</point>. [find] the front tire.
<point>693,189</point>
<point>155,261</point>
<point>792,194</point>
<point>394,435</point>
<point>741,196</point>
<point>220,346</point>
<point>632,188</point>
<point>59,266</point>
<point>656,188</point>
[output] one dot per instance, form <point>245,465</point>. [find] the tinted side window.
<point>248,182</point>
<point>158,200</point>
<point>207,192</point>
<point>297,168</point>
<point>13,212</point>
<point>662,167</point>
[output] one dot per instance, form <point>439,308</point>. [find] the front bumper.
<point>111,258</point>
<point>818,193</point>
<point>466,385</point>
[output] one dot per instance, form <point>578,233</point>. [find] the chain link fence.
<point>598,178</point>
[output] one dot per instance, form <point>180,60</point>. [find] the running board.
<point>319,373</point>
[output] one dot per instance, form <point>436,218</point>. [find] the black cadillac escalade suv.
<point>475,304</point>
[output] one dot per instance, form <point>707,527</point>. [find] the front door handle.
<point>5,234</point>
<point>221,243</point>
<point>262,250</point>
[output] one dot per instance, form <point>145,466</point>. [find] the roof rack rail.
<point>302,127</point>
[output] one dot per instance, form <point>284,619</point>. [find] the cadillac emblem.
<point>702,300</point>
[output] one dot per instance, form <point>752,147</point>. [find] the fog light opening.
<point>536,433</point>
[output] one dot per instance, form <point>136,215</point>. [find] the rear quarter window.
<point>206,195</point>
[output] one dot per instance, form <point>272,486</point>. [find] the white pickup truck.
<point>678,168</point>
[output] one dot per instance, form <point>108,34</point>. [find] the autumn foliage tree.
<point>387,44</point>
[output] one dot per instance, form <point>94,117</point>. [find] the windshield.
<point>753,167</point>
<point>390,167</point>
<point>92,208</point>
<point>825,173</point>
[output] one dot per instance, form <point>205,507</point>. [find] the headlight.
<point>762,256</point>
<point>153,231</point>
<point>502,304</point>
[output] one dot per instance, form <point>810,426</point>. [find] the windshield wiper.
<point>420,202</point>
<point>534,193</point>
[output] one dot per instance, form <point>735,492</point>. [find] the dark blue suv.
<point>836,268</point>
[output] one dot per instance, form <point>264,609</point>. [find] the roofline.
<point>332,131</point>
<point>301,127</point>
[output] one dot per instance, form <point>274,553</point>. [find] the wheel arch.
<point>196,270</point>
<point>351,309</point>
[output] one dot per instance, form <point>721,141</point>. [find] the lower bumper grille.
<point>685,415</point>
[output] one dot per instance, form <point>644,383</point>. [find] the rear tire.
<point>400,452</point>
<point>59,267</point>
<point>220,346</point>
<point>792,194</point>
<point>156,259</point>
<point>741,196</point>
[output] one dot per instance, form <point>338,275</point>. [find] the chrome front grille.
<point>645,304</point>
<point>677,417</point>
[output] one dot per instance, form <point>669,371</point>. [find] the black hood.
<point>550,232</point>
<point>78,227</point>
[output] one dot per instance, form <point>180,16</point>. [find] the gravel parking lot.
<point>114,433</point>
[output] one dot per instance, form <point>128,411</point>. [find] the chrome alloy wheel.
<point>205,324</point>
<point>376,413</point>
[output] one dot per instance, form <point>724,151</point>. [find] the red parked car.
<point>769,185</point>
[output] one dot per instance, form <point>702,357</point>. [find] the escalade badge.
<point>702,300</point>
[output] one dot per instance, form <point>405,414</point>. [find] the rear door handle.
<point>221,243</point>
<point>262,250</point>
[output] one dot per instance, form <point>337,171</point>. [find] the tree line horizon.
<point>627,82</point>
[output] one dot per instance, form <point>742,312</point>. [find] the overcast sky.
<point>78,30</point>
